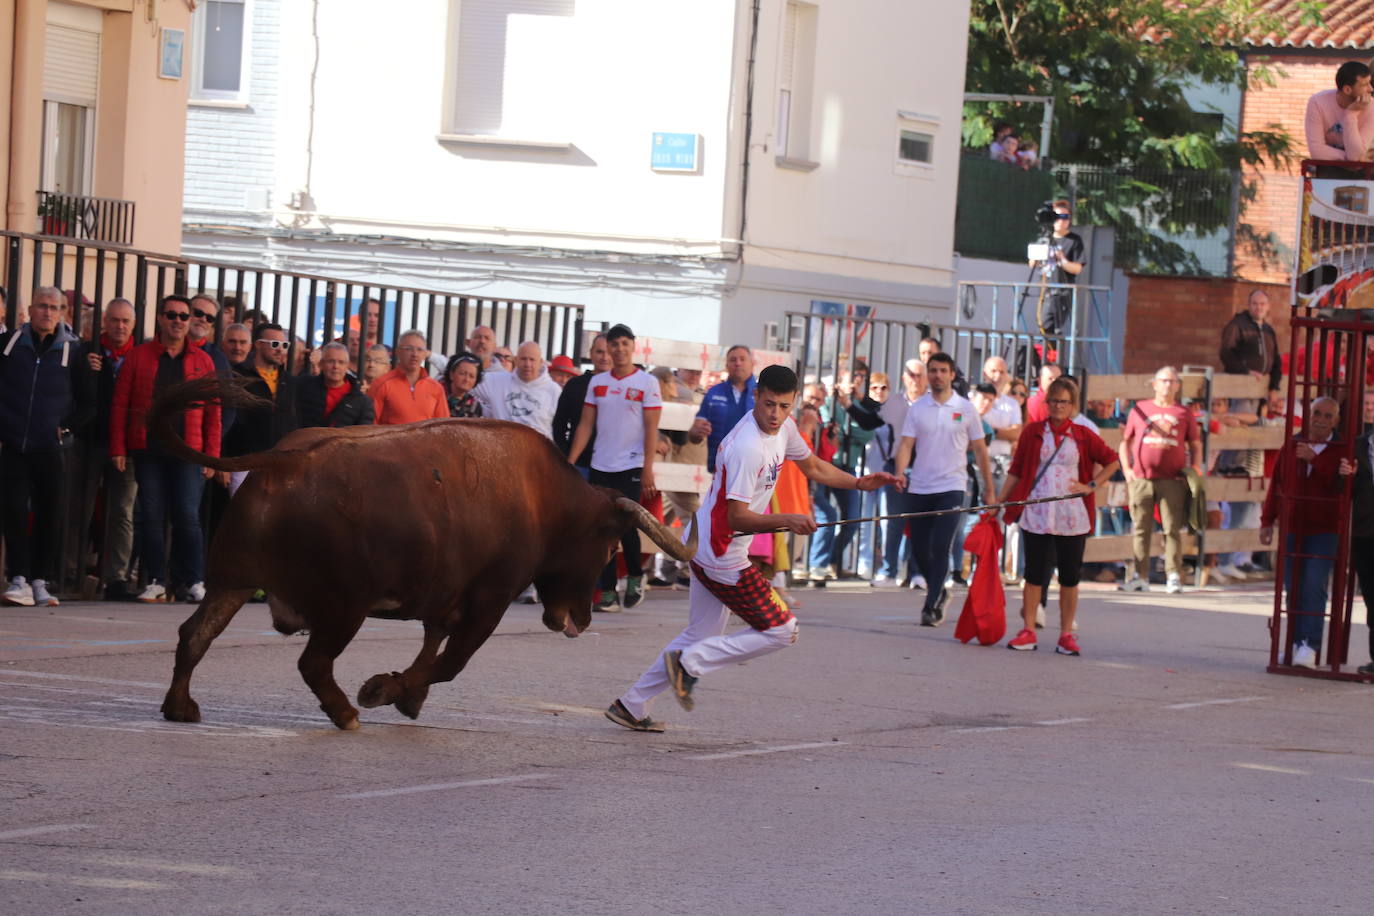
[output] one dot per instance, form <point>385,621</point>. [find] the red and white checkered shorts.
<point>751,598</point>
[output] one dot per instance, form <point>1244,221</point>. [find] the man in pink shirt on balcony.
<point>1340,122</point>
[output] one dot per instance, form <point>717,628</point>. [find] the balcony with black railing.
<point>93,219</point>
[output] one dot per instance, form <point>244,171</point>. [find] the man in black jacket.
<point>569,410</point>
<point>332,398</point>
<point>46,390</point>
<point>258,429</point>
<point>1249,346</point>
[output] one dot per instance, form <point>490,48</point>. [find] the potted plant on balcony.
<point>58,214</point>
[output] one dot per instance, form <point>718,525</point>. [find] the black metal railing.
<point>313,309</point>
<point>95,219</point>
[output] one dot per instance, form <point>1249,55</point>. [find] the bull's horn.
<point>658,532</point>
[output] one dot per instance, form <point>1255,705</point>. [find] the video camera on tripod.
<point>1041,251</point>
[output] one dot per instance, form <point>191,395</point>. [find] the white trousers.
<point>705,648</point>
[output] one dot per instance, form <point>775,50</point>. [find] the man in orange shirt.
<point>407,394</point>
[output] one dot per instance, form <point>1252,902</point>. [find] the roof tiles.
<point>1348,24</point>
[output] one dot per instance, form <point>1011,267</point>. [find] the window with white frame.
<point>221,43</point>
<point>916,143</point>
<point>796,83</point>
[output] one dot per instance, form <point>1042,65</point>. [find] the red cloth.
<point>984,616</point>
<point>1025,462</point>
<point>751,599</point>
<point>1036,408</point>
<point>134,393</point>
<point>117,352</point>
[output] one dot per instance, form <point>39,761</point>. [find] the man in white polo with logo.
<point>622,407</point>
<point>941,428</point>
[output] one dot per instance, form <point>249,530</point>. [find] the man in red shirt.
<point>1160,442</point>
<point>407,394</point>
<point>1036,409</point>
<point>1317,469</point>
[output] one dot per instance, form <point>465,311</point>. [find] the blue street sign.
<point>675,152</point>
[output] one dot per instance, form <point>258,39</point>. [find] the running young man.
<point>747,465</point>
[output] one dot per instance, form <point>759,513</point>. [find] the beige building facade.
<point>93,99</point>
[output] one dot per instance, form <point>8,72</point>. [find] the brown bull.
<point>444,521</point>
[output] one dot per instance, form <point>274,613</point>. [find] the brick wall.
<point>1274,210</point>
<point>1178,320</point>
<point>231,152</point>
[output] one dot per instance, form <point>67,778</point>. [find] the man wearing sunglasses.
<point>166,485</point>
<point>260,428</point>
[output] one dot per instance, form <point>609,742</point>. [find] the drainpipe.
<point>26,114</point>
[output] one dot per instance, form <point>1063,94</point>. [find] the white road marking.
<point>1358,779</point>
<point>1266,768</point>
<point>441,786</point>
<point>125,884</point>
<point>1214,702</point>
<point>1114,665</point>
<point>1062,721</point>
<point>39,831</point>
<point>754,752</point>
<point>987,728</point>
<point>188,868</point>
<point>47,675</point>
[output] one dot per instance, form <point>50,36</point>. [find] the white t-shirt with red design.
<point>747,467</point>
<point>620,404</point>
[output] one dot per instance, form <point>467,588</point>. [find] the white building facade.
<point>693,171</point>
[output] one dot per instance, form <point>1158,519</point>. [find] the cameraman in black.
<point>1064,264</point>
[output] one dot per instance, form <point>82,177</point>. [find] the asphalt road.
<point>876,767</point>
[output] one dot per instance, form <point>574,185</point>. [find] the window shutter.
<point>71,65</point>
<point>789,45</point>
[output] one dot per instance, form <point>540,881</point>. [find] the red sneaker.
<point>1068,645</point>
<point>1023,641</point>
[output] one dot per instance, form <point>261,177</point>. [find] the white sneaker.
<point>865,572</point>
<point>196,593</point>
<point>20,593</point>
<point>153,593</point>
<point>918,583</point>
<point>1134,584</point>
<point>41,598</point>
<point>1173,586</point>
<point>1231,573</point>
<point>886,582</point>
<point>1304,656</point>
<point>527,596</point>
<point>1217,577</point>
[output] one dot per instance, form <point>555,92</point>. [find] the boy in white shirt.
<point>622,406</point>
<point>723,580</point>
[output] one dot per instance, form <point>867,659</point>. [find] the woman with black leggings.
<point>1055,457</point>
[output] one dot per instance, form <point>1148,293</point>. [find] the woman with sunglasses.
<point>463,373</point>
<point>1055,457</point>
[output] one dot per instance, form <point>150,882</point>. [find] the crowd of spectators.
<point>955,442</point>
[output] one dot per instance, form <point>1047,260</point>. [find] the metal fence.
<point>1175,222</point>
<point>312,308</point>
<point>96,219</point>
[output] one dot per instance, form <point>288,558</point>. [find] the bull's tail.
<point>177,399</point>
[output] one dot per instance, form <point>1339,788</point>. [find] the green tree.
<point>1117,70</point>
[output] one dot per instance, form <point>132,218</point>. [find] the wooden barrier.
<point>1194,385</point>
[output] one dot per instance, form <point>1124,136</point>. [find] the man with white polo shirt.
<point>723,579</point>
<point>622,407</point>
<point>940,428</point>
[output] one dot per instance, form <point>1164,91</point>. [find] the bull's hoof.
<point>345,719</point>
<point>379,690</point>
<point>410,702</point>
<point>176,709</point>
